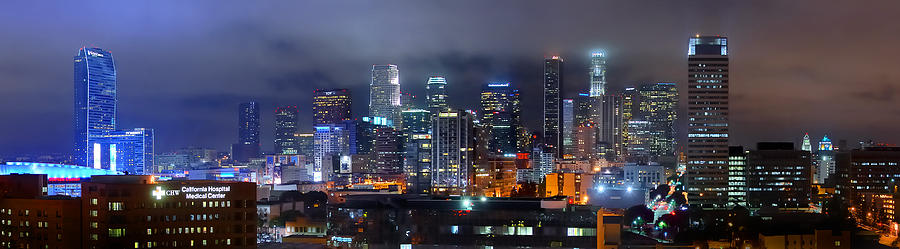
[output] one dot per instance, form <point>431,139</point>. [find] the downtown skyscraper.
<point>331,106</point>
<point>598,74</point>
<point>95,101</point>
<point>247,146</point>
<point>286,130</point>
<point>98,143</point>
<point>436,94</point>
<point>648,115</point>
<point>553,89</point>
<point>453,153</point>
<point>707,145</point>
<point>501,116</point>
<point>384,93</point>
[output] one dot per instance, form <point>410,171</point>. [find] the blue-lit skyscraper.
<point>329,140</point>
<point>247,146</point>
<point>125,151</point>
<point>95,100</point>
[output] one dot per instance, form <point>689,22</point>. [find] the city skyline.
<point>805,104</point>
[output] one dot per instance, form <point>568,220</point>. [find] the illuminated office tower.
<point>707,145</point>
<point>331,106</point>
<point>417,150</point>
<point>453,153</point>
<point>329,140</point>
<point>417,163</point>
<point>384,93</point>
<point>658,106</point>
<point>631,109</point>
<point>598,74</point>
<point>568,128</point>
<point>416,121</point>
<point>436,94</point>
<point>286,130</point>
<point>500,115</point>
<point>807,145</point>
<point>825,164</point>
<point>95,101</point>
<point>305,144</point>
<point>737,176</point>
<point>248,133</point>
<point>553,89</point>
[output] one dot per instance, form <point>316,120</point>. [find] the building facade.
<point>286,118</point>
<point>436,94</point>
<point>553,89</point>
<point>706,176</point>
<point>331,106</point>
<point>384,93</point>
<point>453,153</point>
<point>598,74</point>
<point>501,116</point>
<point>95,100</point>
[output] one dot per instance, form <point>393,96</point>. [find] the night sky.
<point>796,66</point>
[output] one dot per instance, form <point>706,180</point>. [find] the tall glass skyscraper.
<point>286,129</point>
<point>95,101</point>
<point>331,106</point>
<point>500,113</point>
<point>248,133</point>
<point>436,94</point>
<point>453,153</point>
<point>553,104</point>
<point>384,93</point>
<point>568,128</point>
<point>598,74</point>
<point>707,145</point>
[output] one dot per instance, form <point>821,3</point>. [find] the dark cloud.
<point>886,92</point>
<point>185,65</point>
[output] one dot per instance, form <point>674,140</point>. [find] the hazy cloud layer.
<point>797,66</point>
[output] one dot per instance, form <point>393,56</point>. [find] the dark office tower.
<point>384,93</point>
<point>305,144</point>
<point>388,152</point>
<point>568,128</point>
<point>331,106</point>
<point>95,101</point>
<point>408,101</point>
<point>598,74</point>
<point>248,133</point>
<point>286,130</point>
<point>248,118</point>
<point>779,176</point>
<point>436,94</point>
<point>584,106</point>
<point>452,154</point>
<point>609,137</point>
<point>553,85</point>
<point>500,116</point>
<point>707,145</point>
